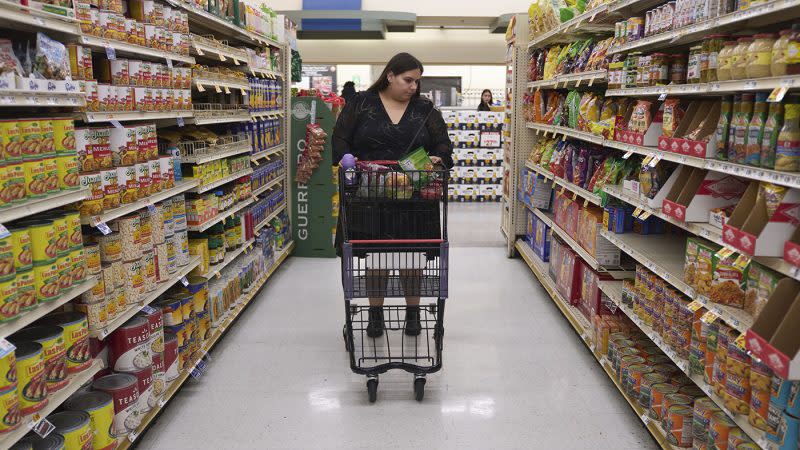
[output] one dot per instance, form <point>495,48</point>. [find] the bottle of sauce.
<point>770,138</point>
<point>787,153</point>
<point>740,137</point>
<point>755,131</point>
<point>723,127</point>
<point>730,154</point>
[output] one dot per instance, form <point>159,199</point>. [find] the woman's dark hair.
<point>401,62</point>
<point>348,91</point>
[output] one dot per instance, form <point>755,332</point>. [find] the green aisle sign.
<point>312,210</point>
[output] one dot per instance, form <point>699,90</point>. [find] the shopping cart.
<point>394,245</point>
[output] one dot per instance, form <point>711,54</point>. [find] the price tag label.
<point>227,91</point>
<point>645,215</point>
<point>695,306</point>
<point>217,88</point>
<point>180,121</point>
<point>752,84</point>
<point>199,51</point>
<point>636,212</point>
<point>563,138</point>
<point>709,317</point>
<point>151,208</point>
<point>662,97</point>
<point>6,347</point>
<point>235,61</point>
<point>574,196</point>
<point>627,154</point>
<point>654,161</point>
<point>111,53</point>
<point>645,418</point>
<point>777,94</point>
<point>647,160</point>
<point>104,228</point>
<point>41,426</point>
<point>222,57</point>
<point>252,71</point>
<point>591,82</point>
<point>148,309</point>
<point>133,436</point>
<point>742,261</point>
<point>577,82</point>
<point>585,203</point>
<point>116,124</point>
<point>4,231</point>
<point>200,86</point>
<point>184,281</point>
<point>740,342</point>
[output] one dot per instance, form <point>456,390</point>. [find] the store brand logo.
<point>300,111</point>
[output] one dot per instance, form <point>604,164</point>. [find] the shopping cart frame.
<point>418,267</point>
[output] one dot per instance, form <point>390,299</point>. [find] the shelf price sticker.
<point>742,261</point>
<point>740,342</point>
<point>227,91</point>
<point>199,51</point>
<point>235,61</point>
<point>653,162</point>
<point>217,88</point>
<point>637,212</point>
<point>591,82</point>
<point>725,252</point>
<point>222,57</point>
<point>777,94</point>
<point>645,215</point>
<point>647,160</point>
<point>662,97</point>
<point>41,426</point>
<point>104,228</point>
<point>184,281</point>
<point>169,63</point>
<point>180,121</point>
<point>709,317</point>
<point>627,154</point>
<point>200,86</point>
<point>111,52</point>
<point>695,306</point>
<point>147,309</point>
<point>4,231</point>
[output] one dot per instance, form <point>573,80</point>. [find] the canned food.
<point>63,135</point>
<point>35,178</point>
<point>96,313</point>
<point>43,240</point>
<point>179,331</point>
<point>161,258</point>
<point>128,185</point>
<point>8,368</point>
<point>9,308</point>
<point>155,322</point>
<point>32,387</point>
<point>704,408</point>
<point>100,407</point>
<point>10,410</point>
<point>45,278</point>
<point>76,338</point>
<point>78,269</point>
<point>171,369</point>
<point>91,254</point>
<point>30,132</point>
<point>759,410</point>
<point>111,197</point>
<point>101,148</point>
<point>108,278</point>
<point>143,179</point>
<point>737,393</point>
<point>123,388</point>
<point>121,299</point>
<point>737,437</point>
<point>26,290</point>
<point>11,136</point>
<point>92,205</point>
<point>648,380</point>
<point>144,378</point>
<point>7,258</point>
<point>149,270</point>
<point>692,390</point>
<point>21,247</point>
<point>129,229</point>
<point>156,184</point>
<point>14,187</point>
<point>73,219</point>
<point>204,326</point>
<point>67,171</point>
<point>48,147</point>
<point>679,425</point>
<point>159,376</point>
<point>128,343</point>
<point>145,231</point>
<point>61,231</point>
<point>110,247</point>
<point>123,146</point>
<point>119,274</point>
<point>53,441</point>
<point>635,373</point>
<point>167,172</point>
<point>75,426</point>
<point>55,354</point>
<point>51,175</point>
<point>171,308</point>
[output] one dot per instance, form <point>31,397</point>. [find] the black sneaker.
<point>375,325</point>
<point>413,326</point>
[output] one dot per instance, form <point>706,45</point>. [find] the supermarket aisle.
<point>515,374</point>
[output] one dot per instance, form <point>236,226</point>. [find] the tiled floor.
<point>515,374</point>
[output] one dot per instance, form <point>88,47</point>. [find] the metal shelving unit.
<point>221,216</point>
<point>107,216</point>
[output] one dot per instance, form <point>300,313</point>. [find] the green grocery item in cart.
<point>418,160</point>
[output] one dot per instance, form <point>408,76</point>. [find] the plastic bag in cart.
<point>373,178</point>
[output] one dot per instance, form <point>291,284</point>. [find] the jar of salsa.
<point>712,45</point>
<point>659,69</point>
<point>677,70</point>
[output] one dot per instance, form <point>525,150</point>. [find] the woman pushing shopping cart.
<point>392,231</point>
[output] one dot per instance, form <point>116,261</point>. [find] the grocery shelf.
<point>221,216</point>
<point>265,114</point>
<point>221,27</point>
<point>613,289</point>
<point>26,98</point>
<point>218,183</point>
<point>580,24</point>
<point>789,179</point>
<point>760,14</point>
<point>267,153</point>
<point>138,51</point>
<point>242,86</point>
<point>583,328</point>
<point>271,216</point>
<point>236,148</point>
<point>54,401</point>
<point>269,185</point>
<point>149,298</point>
<point>704,230</point>
<point>229,257</point>
<point>17,16</point>
<point>35,206</point>
<point>265,73</point>
<point>716,88</point>
<point>219,117</point>
<point>589,78</point>
<point>590,197</point>
<point>180,187</point>
<point>633,5</point>
<point>549,219</point>
<point>42,309</point>
<point>662,254</point>
<point>202,45</point>
<point>119,116</point>
<point>211,341</point>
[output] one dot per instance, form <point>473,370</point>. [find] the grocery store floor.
<point>515,373</point>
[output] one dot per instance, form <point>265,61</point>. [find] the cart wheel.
<point>372,389</point>
<point>419,388</point>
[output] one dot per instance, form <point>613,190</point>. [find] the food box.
<point>753,230</point>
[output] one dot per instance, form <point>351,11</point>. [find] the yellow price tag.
<point>222,57</point>
<point>709,317</point>
<point>199,52</point>
<point>695,306</point>
<point>645,215</point>
<point>227,91</point>
<point>724,253</point>
<point>585,203</point>
<point>574,196</point>
<point>636,212</point>
<point>561,191</point>
<point>742,261</point>
<point>217,88</point>
<point>200,87</point>
<point>740,342</point>
<point>646,160</point>
<point>591,81</point>
<point>236,61</point>
<point>563,138</point>
<point>578,82</point>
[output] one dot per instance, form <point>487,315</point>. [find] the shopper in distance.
<point>387,122</point>
<point>486,101</point>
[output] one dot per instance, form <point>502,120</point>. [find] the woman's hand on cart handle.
<point>436,160</point>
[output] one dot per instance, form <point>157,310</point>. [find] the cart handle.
<point>382,162</point>
<point>396,241</point>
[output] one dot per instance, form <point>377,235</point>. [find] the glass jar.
<point>693,67</point>
<point>711,48</point>
<point>793,52</point>
<point>643,76</point>
<point>759,55</point>
<point>787,153</point>
<point>659,69</point>
<point>724,60</point>
<point>777,67</point>
<point>739,58</point>
<point>677,70</point>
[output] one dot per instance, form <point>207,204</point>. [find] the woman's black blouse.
<point>365,130</point>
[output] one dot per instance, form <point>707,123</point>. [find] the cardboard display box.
<point>646,139</point>
<point>774,337</point>
<point>702,115</point>
<point>753,231</point>
<point>695,192</point>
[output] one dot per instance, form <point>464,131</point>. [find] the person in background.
<point>348,91</point>
<point>486,101</point>
<point>384,123</point>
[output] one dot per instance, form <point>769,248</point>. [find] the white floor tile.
<point>515,376</point>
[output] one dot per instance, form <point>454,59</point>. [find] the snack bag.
<point>728,283</point>
<point>52,59</point>
<point>673,114</point>
<point>418,163</point>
